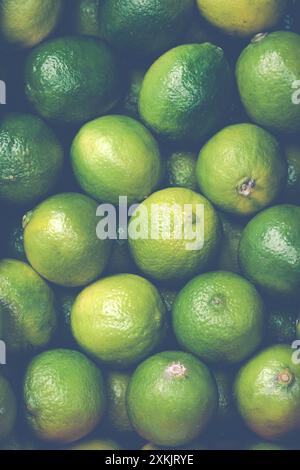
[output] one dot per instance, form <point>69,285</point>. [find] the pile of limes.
<point>150,224</point>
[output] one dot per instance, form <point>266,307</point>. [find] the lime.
<point>72,79</point>
<point>28,22</point>
<point>242,17</point>
<point>116,156</point>
<point>31,159</point>
<point>119,320</point>
<point>61,242</point>
<point>95,444</point>
<point>171,398</point>
<point>267,391</point>
<point>64,396</point>
<point>232,234</point>
<point>267,73</point>
<point>116,388</point>
<point>27,307</point>
<point>144,28</point>
<point>241,169</point>
<point>8,407</point>
<point>167,236</point>
<point>181,170</point>
<point>219,317</point>
<point>269,251</point>
<point>86,17</point>
<point>191,446</point>
<point>186,93</point>
<point>292,191</point>
<point>282,321</point>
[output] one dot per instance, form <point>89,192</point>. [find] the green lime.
<point>119,320</point>
<point>219,317</point>
<point>241,169</point>
<point>181,170</point>
<point>28,22</point>
<point>116,156</point>
<point>171,398</point>
<point>292,191</point>
<point>267,72</point>
<point>31,159</point>
<point>242,17</point>
<point>95,444</point>
<point>27,307</point>
<point>116,389</point>
<point>61,242</point>
<point>86,17</point>
<point>269,251</point>
<point>72,79</point>
<point>281,322</point>
<point>144,28</point>
<point>8,407</point>
<point>168,238</point>
<point>232,234</point>
<point>186,93</point>
<point>267,391</point>
<point>64,396</point>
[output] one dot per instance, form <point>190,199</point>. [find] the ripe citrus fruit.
<point>269,251</point>
<point>72,79</point>
<point>267,73</point>
<point>61,242</point>
<point>181,170</point>
<point>64,396</point>
<point>86,17</point>
<point>219,317</point>
<point>116,389</point>
<point>232,234</point>
<point>165,234</point>
<point>116,156</point>
<point>186,92</point>
<point>28,22</point>
<point>8,407</point>
<point>27,307</point>
<point>267,391</point>
<point>242,17</point>
<point>31,159</point>
<point>292,191</point>
<point>144,28</point>
<point>241,169</point>
<point>171,398</point>
<point>119,320</point>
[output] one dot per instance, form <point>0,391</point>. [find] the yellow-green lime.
<point>242,17</point>
<point>181,170</point>
<point>241,169</point>
<point>119,320</point>
<point>116,156</point>
<point>64,396</point>
<point>186,93</point>
<point>171,398</point>
<point>219,316</point>
<point>174,234</point>
<point>116,389</point>
<point>31,159</point>
<point>27,307</point>
<point>8,407</point>
<point>61,242</point>
<point>267,75</point>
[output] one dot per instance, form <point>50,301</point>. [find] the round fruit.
<point>31,159</point>
<point>96,444</point>
<point>171,398</point>
<point>61,242</point>
<point>27,307</point>
<point>117,416</point>
<point>267,74</point>
<point>64,396</point>
<point>28,22</point>
<point>86,17</point>
<point>241,169</point>
<point>119,320</point>
<point>242,17</point>
<point>232,234</point>
<point>8,407</point>
<point>116,156</point>
<point>72,79</point>
<point>219,317</point>
<point>168,238</point>
<point>144,28</point>
<point>186,92</point>
<point>267,391</point>
<point>181,170</point>
<point>269,251</point>
<point>292,191</point>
